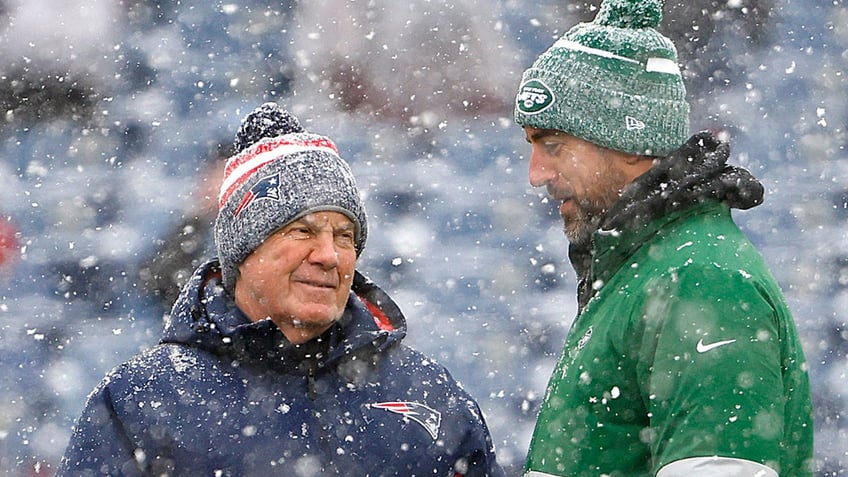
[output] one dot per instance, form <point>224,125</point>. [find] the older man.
<point>279,358</point>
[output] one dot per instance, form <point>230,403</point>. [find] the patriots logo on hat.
<point>266,188</point>
<point>430,419</point>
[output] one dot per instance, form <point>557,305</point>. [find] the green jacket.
<point>684,349</point>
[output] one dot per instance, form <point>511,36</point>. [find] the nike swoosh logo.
<point>703,348</point>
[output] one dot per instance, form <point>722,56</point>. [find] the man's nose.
<point>324,251</point>
<point>541,171</point>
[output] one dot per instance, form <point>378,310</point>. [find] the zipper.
<point>310,384</point>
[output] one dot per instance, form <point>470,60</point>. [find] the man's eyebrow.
<point>313,222</point>
<point>542,133</point>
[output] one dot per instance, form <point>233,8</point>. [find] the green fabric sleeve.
<point>710,367</point>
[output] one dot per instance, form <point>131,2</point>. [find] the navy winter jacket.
<point>224,396</point>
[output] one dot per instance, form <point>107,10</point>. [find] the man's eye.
<point>551,147</point>
<point>298,232</point>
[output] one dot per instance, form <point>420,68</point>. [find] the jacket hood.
<point>206,317</point>
<point>695,174</point>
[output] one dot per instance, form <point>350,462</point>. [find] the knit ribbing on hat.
<point>275,182</point>
<point>614,82</point>
<point>240,168</point>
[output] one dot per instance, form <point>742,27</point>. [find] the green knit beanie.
<point>614,82</point>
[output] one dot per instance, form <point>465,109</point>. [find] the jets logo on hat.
<point>430,419</point>
<point>533,97</point>
<point>266,188</point>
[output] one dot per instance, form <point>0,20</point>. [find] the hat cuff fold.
<point>589,103</point>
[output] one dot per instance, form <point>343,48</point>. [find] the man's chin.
<point>579,232</point>
<point>301,331</point>
<point>578,240</point>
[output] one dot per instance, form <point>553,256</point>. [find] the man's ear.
<point>632,159</point>
<point>634,165</point>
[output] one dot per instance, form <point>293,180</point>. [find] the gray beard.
<point>591,213</point>
<point>580,234</point>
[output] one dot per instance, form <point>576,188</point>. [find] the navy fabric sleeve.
<point>481,454</point>
<point>99,444</point>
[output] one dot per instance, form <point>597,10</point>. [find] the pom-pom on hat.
<point>614,82</point>
<point>279,174</point>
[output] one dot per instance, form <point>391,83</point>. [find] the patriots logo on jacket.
<point>430,419</point>
<point>266,188</point>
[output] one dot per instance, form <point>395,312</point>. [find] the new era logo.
<point>633,124</point>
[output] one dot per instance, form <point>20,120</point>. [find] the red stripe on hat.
<point>235,185</point>
<point>263,147</point>
<point>246,200</point>
<point>250,154</point>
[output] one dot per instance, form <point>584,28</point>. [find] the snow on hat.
<point>614,82</point>
<point>279,173</point>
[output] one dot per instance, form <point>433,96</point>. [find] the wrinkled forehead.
<point>327,218</point>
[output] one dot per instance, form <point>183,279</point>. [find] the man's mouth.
<point>567,205</point>
<point>318,283</point>
<point>567,201</point>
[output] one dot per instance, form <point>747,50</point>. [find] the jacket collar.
<point>205,316</point>
<point>689,180</point>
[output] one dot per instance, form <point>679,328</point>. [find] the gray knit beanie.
<point>614,82</point>
<point>279,173</point>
